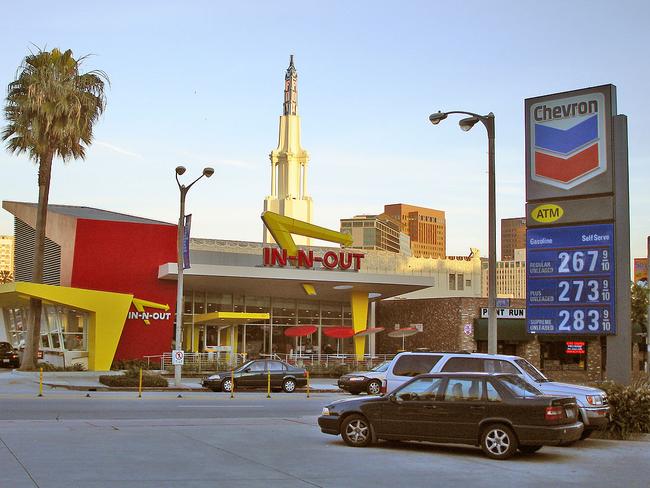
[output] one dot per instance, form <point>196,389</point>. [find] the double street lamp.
<point>466,124</point>
<point>180,170</point>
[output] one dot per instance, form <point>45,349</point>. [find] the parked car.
<point>255,374</point>
<point>369,381</point>
<point>8,356</point>
<point>499,412</point>
<point>592,402</point>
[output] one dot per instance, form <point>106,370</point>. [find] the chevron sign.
<point>568,143</point>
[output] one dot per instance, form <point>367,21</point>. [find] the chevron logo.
<point>567,141</point>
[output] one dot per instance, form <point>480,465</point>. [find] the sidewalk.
<point>89,380</point>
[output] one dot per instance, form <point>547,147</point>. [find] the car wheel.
<point>289,385</point>
<point>586,433</point>
<point>226,385</point>
<point>499,442</point>
<point>529,449</point>
<point>355,431</point>
<point>374,387</point>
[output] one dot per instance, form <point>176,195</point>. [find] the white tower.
<point>289,163</point>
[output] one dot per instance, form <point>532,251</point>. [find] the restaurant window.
<point>218,302</point>
<point>452,281</point>
<point>461,282</point>
<point>564,356</point>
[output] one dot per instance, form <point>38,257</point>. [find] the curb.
<point>170,389</point>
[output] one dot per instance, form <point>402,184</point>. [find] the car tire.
<point>356,431</point>
<point>498,441</point>
<point>226,385</point>
<point>529,449</point>
<point>289,385</point>
<point>374,387</point>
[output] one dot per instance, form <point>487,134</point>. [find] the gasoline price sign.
<point>570,280</point>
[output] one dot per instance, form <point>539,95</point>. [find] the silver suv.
<point>592,402</point>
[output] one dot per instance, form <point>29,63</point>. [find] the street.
<point>114,439</point>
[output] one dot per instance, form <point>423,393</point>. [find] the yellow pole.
<point>268,385</point>
<point>40,383</point>
<point>140,385</point>
<point>232,383</point>
<point>307,372</point>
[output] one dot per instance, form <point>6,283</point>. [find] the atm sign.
<point>547,213</point>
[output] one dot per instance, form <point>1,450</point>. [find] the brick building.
<point>513,236</point>
<point>425,226</point>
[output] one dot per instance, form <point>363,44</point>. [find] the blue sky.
<point>200,83</point>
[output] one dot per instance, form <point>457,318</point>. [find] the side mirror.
<point>393,398</point>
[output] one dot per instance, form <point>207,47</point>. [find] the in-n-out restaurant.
<point>111,286</point>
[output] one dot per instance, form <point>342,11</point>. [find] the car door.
<point>462,408</point>
<point>410,411</point>
<point>254,375</point>
<point>277,370</point>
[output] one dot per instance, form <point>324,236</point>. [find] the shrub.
<point>51,367</point>
<point>133,364</point>
<point>630,408</point>
<point>132,378</point>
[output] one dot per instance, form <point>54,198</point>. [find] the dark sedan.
<point>8,356</point>
<point>255,374</point>
<point>368,381</point>
<point>498,412</point>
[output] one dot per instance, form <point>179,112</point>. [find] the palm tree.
<point>51,108</point>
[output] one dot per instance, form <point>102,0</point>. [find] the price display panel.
<point>570,280</point>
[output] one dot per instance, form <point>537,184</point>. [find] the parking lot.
<point>206,439</point>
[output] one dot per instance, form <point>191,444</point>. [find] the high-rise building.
<point>513,236</point>
<point>7,254</point>
<point>376,232</point>
<point>425,226</point>
<point>289,163</point>
<point>511,276</point>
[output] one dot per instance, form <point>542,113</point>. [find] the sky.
<point>201,84</point>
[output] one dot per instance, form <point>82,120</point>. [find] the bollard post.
<point>140,385</point>
<point>307,372</point>
<point>40,383</point>
<point>232,383</point>
<point>268,384</point>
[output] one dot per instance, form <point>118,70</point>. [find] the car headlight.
<point>214,377</point>
<point>594,400</point>
<point>326,411</point>
<point>357,378</point>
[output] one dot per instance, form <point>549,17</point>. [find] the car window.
<point>500,366</point>
<point>5,346</point>
<point>415,364</point>
<point>463,365</point>
<point>492,393</point>
<point>256,366</point>
<point>531,370</point>
<point>380,368</point>
<point>276,366</point>
<point>464,390</point>
<point>422,389</point>
<point>519,387</point>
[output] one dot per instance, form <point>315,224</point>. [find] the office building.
<point>513,236</point>
<point>426,228</point>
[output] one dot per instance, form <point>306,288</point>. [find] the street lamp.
<point>180,170</point>
<point>466,124</point>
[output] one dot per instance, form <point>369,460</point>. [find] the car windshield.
<point>519,387</point>
<point>244,366</point>
<point>532,371</point>
<point>5,346</point>
<point>380,368</point>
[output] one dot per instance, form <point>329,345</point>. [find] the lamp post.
<point>466,124</point>
<point>180,170</point>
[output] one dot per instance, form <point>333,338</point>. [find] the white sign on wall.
<point>506,313</point>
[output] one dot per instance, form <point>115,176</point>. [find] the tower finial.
<point>290,90</point>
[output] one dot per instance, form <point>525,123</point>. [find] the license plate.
<point>570,413</point>
<point>5,361</point>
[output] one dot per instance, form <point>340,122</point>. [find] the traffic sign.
<point>570,280</point>
<point>178,357</point>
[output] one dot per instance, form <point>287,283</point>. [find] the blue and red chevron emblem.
<point>567,148</point>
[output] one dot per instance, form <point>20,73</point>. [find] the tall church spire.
<point>290,90</point>
<point>289,162</point>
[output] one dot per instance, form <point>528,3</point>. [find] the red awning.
<point>363,333</point>
<point>409,331</point>
<point>300,330</point>
<point>338,332</point>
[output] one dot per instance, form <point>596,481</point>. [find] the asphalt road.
<point>205,439</point>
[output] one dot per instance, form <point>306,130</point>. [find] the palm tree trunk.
<point>33,339</point>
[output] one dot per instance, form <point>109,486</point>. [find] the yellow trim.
<point>309,289</point>
<point>359,303</point>
<point>108,313</point>
<point>229,317</point>
<point>139,305</point>
<point>282,227</point>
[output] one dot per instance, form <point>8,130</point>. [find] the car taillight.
<point>554,413</point>
<point>382,390</point>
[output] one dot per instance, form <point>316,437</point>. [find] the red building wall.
<point>124,257</point>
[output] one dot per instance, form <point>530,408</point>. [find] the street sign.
<point>505,313</point>
<point>570,276</point>
<point>178,357</point>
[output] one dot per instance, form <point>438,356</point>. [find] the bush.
<point>133,364</point>
<point>132,378</point>
<point>51,367</point>
<point>630,408</point>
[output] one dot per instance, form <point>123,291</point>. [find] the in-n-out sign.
<point>506,313</point>
<point>306,259</point>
